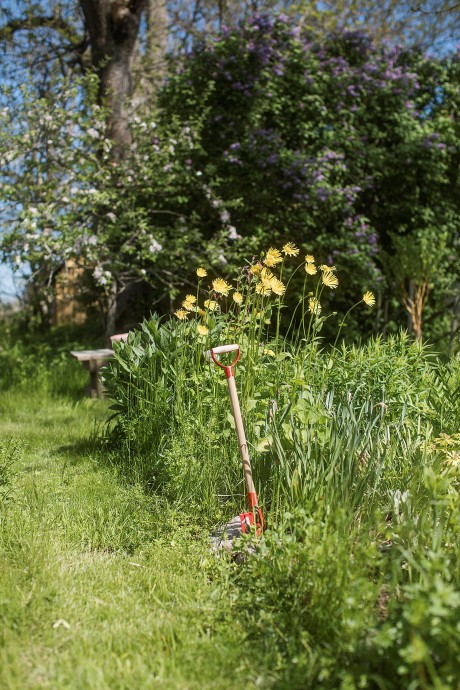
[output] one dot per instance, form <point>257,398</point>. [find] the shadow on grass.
<point>103,450</point>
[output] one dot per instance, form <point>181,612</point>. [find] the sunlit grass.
<point>101,586</point>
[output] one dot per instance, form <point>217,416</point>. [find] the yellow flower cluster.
<point>328,277</point>
<point>269,283</point>
<point>189,303</point>
<point>265,283</point>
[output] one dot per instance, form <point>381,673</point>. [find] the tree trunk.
<point>149,65</point>
<point>111,312</point>
<point>113,27</point>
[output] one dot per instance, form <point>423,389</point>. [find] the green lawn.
<point>101,586</point>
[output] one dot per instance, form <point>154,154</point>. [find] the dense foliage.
<point>342,145</point>
<point>262,133</point>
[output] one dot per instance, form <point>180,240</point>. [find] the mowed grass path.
<point>101,586</point>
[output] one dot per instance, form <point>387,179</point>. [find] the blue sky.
<point>7,288</point>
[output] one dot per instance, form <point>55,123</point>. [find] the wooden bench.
<point>93,360</point>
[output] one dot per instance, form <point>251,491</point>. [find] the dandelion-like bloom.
<point>290,249</point>
<point>202,330</point>
<point>311,269</point>
<point>314,306</point>
<point>201,272</point>
<point>210,304</point>
<point>238,297</point>
<point>264,288</point>
<point>326,268</point>
<point>273,257</point>
<point>369,298</point>
<point>221,286</point>
<point>310,259</point>
<point>181,314</point>
<point>330,280</point>
<point>189,303</point>
<point>255,269</point>
<point>277,286</point>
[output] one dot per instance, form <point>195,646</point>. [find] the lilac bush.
<point>336,145</point>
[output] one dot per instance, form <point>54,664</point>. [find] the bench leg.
<point>95,389</point>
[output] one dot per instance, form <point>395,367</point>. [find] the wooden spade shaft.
<point>250,488</point>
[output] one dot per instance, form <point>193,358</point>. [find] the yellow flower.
<point>269,352</point>
<point>314,306</point>
<point>290,249</point>
<point>201,272</point>
<point>310,259</point>
<point>277,286</point>
<point>255,269</point>
<point>369,298</point>
<point>181,314</point>
<point>265,274</point>
<point>220,286</point>
<point>273,257</point>
<point>189,303</point>
<point>310,269</point>
<point>210,304</point>
<point>202,330</point>
<point>330,280</point>
<point>264,287</point>
<point>238,297</point>
<point>323,267</point>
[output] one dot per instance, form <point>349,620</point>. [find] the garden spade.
<point>254,516</point>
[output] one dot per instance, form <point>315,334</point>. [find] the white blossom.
<point>155,247</point>
<point>232,233</point>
